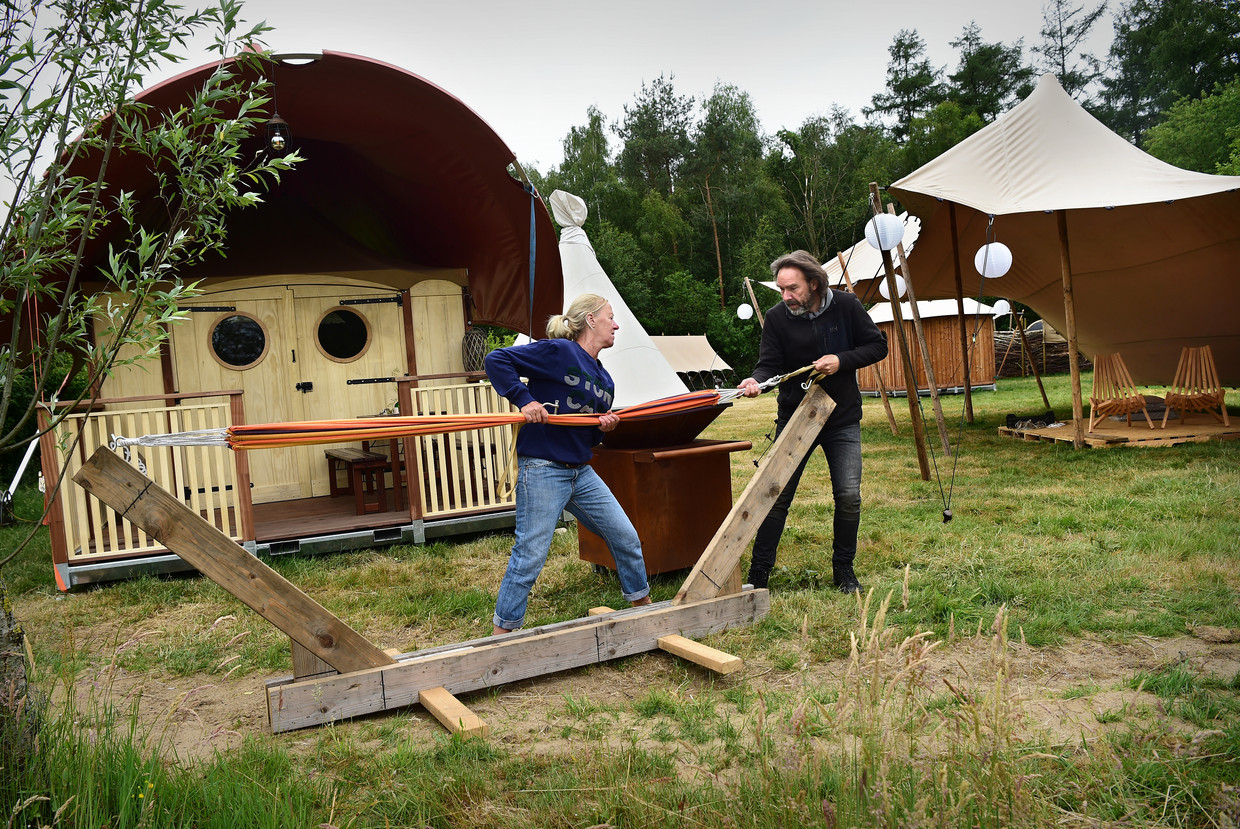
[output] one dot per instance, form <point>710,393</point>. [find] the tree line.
<point>688,197</point>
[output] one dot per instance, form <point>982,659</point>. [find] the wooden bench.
<point>364,471</point>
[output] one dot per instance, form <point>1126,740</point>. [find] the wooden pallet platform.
<point>1111,434</point>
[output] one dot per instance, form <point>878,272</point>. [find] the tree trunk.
<point>18,718</point>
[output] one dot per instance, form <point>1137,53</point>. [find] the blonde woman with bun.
<point>553,462</point>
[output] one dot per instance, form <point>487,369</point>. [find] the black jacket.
<point>790,342</point>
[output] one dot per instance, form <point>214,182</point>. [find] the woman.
<point>553,471</point>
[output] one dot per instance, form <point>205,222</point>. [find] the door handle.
<point>305,386</point>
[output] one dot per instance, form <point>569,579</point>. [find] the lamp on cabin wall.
<point>278,134</point>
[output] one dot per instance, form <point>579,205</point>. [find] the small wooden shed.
<point>941,325</point>
<point>349,292</point>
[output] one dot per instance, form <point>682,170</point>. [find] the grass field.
<point>1064,652</point>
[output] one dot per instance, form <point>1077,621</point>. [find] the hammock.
<point>311,432</point>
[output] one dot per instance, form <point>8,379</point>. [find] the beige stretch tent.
<point>1154,251</point>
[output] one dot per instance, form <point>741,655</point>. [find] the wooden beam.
<point>964,337</point>
<point>927,363</point>
<point>190,536</point>
<point>452,713</point>
<point>1069,308</point>
<point>878,370</point>
<point>721,556</point>
<point>496,660</point>
<point>699,654</point>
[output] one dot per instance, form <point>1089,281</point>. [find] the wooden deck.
<point>324,515</point>
<point>1112,433</point>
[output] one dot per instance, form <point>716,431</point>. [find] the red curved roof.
<point>398,173</point>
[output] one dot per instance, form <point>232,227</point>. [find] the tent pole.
<point>931,380</point>
<point>757,307</point>
<point>1069,307</point>
<point>964,336</point>
<point>878,373</point>
<point>910,379</point>
<point>1033,363</point>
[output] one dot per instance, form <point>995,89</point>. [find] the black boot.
<point>845,579</point>
<point>758,576</point>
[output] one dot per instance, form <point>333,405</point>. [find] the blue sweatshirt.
<point>558,371</point>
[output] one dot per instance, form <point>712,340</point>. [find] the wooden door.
<point>438,329</point>
<point>244,339</point>
<point>350,343</point>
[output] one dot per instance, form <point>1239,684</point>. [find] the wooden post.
<point>964,337</point>
<point>1069,307</point>
<point>921,342</point>
<point>878,373</point>
<point>1033,364</point>
<point>710,575</point>
<point>190,536</point>
<point>910,378</point>
<point>756,307</point>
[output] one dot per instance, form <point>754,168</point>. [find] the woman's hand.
<point>534,412</point>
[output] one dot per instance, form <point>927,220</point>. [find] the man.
<point>831,329</point>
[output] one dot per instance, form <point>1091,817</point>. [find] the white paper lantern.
<point>884,231</point>
<point>744,311</point>
<point>993,260</point>
<point>1001,307</point>
<point>901,288</point>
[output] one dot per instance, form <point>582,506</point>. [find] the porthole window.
<point>239,341</point>
<point>343,334</point>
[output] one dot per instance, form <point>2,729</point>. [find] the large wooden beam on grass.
<point>497,660</point>
<point>186,533</point>
<point>722,555</point>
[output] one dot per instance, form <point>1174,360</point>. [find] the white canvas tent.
<point>640,370</point>
<point>865,263</point>
<point>691,352</point>
<point>1153,251</point>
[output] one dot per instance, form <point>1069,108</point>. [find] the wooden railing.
<point>206,478</point>
<point>462,472</point>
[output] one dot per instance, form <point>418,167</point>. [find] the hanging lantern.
<point>278,134</point>
<point>744,311</point>
<point>993,260</point>
<point>1001,307</point>
<point>884,231</point>
<point>901,288</point>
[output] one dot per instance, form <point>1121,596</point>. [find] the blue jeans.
<point>842,448</point>
<point>544,490</point>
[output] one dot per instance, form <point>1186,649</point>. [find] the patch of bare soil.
<point>1063,694</point>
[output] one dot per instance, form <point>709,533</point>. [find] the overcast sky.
<point>531,68</point>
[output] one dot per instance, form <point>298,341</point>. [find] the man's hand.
<point>534,412</point>
<point>749,387</point>
<point>827,364</point>
<point>608,421</point>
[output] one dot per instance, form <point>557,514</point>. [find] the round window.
<point>238,341</point>
<point>343,334</point>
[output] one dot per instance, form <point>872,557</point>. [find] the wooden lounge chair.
<point>1196,387</point>
<point>1114,393</point>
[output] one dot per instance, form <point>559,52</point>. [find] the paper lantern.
<point>901,288</point>
<point>744,311</point>
<point>884,231</point>
<point>1001,307</point>
<point>993,260</point>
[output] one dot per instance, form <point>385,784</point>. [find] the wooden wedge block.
<point>453,713</point>
<point>598,611</point>
<point>699,654</point>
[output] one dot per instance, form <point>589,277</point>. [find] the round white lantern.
<point>901,288</point>
<point>1001,307</point>
<point>884,231</point>
<point>993,260</point>
<point>744,311</point>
